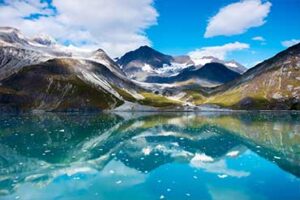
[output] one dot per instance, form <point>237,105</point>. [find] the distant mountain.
<point>148,65</point>
<point>232,65</point>
<point>144,54</point>
<point>272,84</point>
<point>209,74</point>
<point>145,61</point>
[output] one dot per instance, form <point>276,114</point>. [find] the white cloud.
<point>237,18</point>
<point>115,25</point>
<point>217,51</point>
<point>288,43</point>
<point>259,38</point>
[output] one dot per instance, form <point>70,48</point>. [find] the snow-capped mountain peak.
<point>11,36</point>
<point>203,60</point>
<point>17,51</point>
<point>233,65</point>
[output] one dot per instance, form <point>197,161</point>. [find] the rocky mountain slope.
<point>51,77</point>
<point>272,84</point>
<point>39,74</point>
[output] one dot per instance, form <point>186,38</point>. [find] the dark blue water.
<point>150,156</point>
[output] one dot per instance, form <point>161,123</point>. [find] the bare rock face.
<point>13,59</point>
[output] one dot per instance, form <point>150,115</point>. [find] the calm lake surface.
<point>145,156</point>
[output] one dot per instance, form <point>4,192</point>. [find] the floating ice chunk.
<point>118,182</point>
<point>277,157</point>
<point>222,175</point>
<point>232,153</point>
<point>175,144</point>
<point>62,130</point>
<point>146,151</point>
<point>161,197</point>
<point>202,157</point>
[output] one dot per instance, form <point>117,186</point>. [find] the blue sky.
<point>182,24</point>
<point>247,31</point>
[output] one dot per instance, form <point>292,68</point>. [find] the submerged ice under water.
<point>150,156</point>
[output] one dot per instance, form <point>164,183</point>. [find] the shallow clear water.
<point>150,156</point>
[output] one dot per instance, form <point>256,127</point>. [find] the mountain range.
<point>38,74</point>
<point>148,65</point>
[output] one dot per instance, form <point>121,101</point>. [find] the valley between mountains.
<point>38,74</point>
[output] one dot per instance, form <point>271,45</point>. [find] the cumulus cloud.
<point>259,38</point>
<point>237,18</point>
<point>115,25</point>
<point>217,51</point>
<point>288,43</point>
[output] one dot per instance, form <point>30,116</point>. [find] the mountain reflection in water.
<point>150,156</point>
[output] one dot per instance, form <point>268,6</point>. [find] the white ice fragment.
<point>222,175</point>
<point>232,153</point>
<point>146,151</point>
<point>202,157</point>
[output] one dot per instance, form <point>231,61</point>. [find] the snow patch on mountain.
<point>147,68</point>
<point>201,61</point>
<point>231,64</point>
<point>18,51</point>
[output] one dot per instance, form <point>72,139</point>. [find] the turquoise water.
<point>150,156</point>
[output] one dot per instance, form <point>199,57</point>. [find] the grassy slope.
<point>154,100</point>
<point>272,87</point>
<point>277,86</point>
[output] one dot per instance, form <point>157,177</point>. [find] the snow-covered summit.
<point>232,65</point>
<point>18,50</point>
